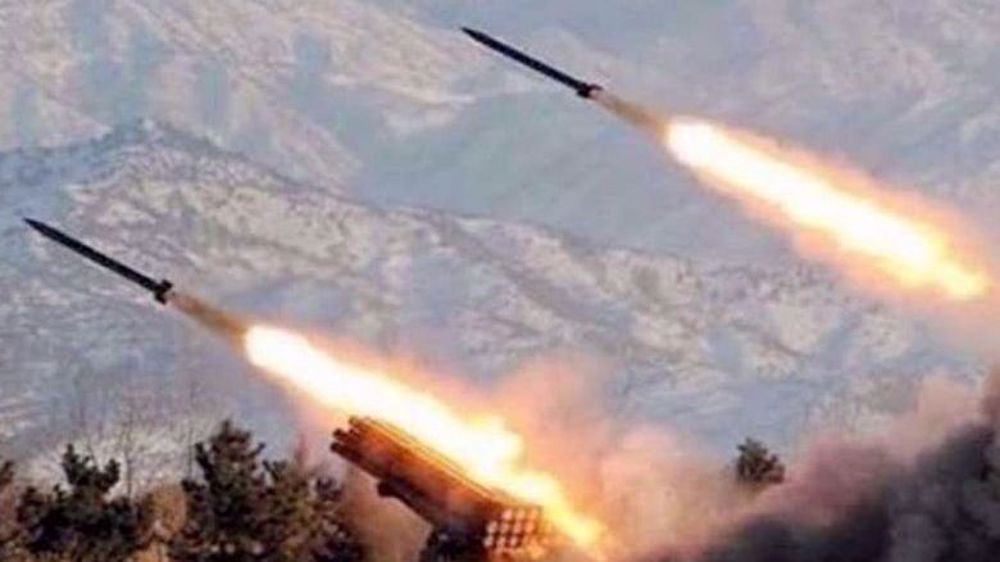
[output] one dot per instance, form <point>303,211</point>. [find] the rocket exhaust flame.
<point>806,197</point>
<point>798,194</point>
<point>486,450</point>
<point>490,453</point>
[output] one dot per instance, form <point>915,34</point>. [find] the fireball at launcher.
<point>443,456</point>
<point>467,515</point>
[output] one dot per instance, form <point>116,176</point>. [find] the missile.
<point>161,289</point>
<point>582,89</point>
<point>640,117</point>
<point>229,326</point>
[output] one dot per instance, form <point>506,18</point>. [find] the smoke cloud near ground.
<point>924,489</point>
<point>927,490</point>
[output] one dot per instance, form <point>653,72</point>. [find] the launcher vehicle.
<point>465,515</point>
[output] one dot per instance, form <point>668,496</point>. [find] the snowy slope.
<point>388,100</point>
<point>709,323</point>
<point>713,349</point>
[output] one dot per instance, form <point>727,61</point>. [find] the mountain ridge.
<point>707,348</point>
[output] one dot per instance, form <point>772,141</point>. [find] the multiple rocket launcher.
<point>469,514</point>
<point>406,469</point>
<point>439,492</point>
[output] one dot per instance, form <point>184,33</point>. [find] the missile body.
<point>582,89</point>
<point>229,326</point>
<point>643,118</point>
<point>160,289</point>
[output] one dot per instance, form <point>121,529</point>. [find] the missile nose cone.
<point>38,225</point>
<point>474,33</point>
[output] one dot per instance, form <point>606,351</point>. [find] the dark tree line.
<point>9,533</point>
<point>247,509</point>
<point>240,508</point>
<point>80,521</point>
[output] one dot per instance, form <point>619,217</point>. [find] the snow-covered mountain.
<point>713,349</point>
<point>389,100</point>
<point>307,134</point>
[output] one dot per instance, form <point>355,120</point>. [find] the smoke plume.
<point>927,491</point>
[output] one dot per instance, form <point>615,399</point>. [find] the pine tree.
<point>244,508</point>
<point>222,508</point>
<point>757,466</point>
<point>80,522</point>
<point>11,544</point>
<point>335,541</point>
<point>6,475</point>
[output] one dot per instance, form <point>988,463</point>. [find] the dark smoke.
<point>862,504</point>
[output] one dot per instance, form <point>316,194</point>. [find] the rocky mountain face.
<point>387,98</point>
<point>712,349</point>
<point>360,167</point>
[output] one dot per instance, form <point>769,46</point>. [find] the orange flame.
<point>488,451</point>
<point>805,196</point>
